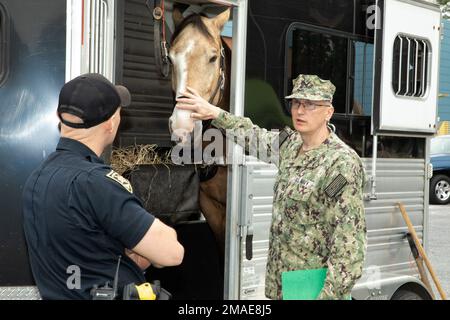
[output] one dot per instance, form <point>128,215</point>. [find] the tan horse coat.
<point>195,57</point>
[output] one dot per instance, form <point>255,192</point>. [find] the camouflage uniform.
<point>318,213</point>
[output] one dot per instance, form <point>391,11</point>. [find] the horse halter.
<point>221,81</point>
<point>220,86</point>
<point>208,171</point>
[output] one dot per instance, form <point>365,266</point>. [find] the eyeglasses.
<point>307,104</point>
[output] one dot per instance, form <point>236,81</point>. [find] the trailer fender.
<point>386,285</point>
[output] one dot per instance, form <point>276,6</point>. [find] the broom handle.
<point>421,251</point>
<point>423,276</point>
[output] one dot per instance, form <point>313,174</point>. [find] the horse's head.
<point>196,62</point>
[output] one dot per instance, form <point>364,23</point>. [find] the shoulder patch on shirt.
<point>336,186</point>
<point>118,178</point>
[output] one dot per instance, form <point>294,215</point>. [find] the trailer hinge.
<point>373,187</point>
<point>246,232</point>
<point>246,218</point>
<point>249,243</point>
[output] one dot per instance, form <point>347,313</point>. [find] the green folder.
<point>303,284</point>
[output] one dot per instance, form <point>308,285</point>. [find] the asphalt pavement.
<point>439,245</point>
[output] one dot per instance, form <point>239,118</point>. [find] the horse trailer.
<point>382,55</point>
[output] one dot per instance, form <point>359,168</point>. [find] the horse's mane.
<point>196,20</point>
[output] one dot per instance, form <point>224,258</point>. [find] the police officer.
<point>80,215</point>
<point>318,213</point>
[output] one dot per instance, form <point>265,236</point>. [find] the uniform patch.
<point>301,181</point>
<point>336,186</point>
<point>118,178</point>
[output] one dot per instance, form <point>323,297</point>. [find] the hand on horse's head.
<point>200,108</point>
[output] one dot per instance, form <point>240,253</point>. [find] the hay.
<point>126,159</point>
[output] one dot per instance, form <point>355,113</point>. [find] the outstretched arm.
<point>257,141</point>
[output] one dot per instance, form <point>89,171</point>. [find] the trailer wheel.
<point>440,189</point>
<point>406,295</point>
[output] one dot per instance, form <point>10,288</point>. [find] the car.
<point>440,159</point>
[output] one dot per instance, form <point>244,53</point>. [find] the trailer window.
<point>363,78</point>
<point>4,44</point>
<point>410,66</point>
<point>322,54</point>
<point>345,59</point>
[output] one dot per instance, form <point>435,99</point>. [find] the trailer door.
<point>407,37</point>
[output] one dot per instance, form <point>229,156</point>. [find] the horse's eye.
<point>213,59</point>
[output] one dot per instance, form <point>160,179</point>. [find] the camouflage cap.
<point>311,87</point>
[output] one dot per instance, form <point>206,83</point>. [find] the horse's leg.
<point>213,197</point>
<point>213,212</point>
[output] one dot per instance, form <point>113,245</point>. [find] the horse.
<point>201,60</point>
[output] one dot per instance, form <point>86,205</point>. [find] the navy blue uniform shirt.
<point>79,216</point>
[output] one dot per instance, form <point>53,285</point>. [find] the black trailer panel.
<point>146,120</point>
<point>28,122</point>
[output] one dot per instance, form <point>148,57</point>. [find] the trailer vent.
<point>410,66</point>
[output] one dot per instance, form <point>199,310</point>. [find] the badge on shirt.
<point>336,186</point>
<point>118,178</point>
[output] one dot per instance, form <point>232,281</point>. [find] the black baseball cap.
<point>93,98</point>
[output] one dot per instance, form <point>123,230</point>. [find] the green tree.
<point>445,8</point>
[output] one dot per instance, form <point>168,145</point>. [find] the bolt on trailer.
<point>385,71</point>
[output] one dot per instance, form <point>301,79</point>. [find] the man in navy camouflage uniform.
<point>318,213</point>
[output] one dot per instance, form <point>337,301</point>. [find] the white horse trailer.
<point>383,57</point>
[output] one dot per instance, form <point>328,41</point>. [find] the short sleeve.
<point>117,210</point>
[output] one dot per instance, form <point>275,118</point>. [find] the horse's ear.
<point>222,18</point>
<point>177,16</point>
